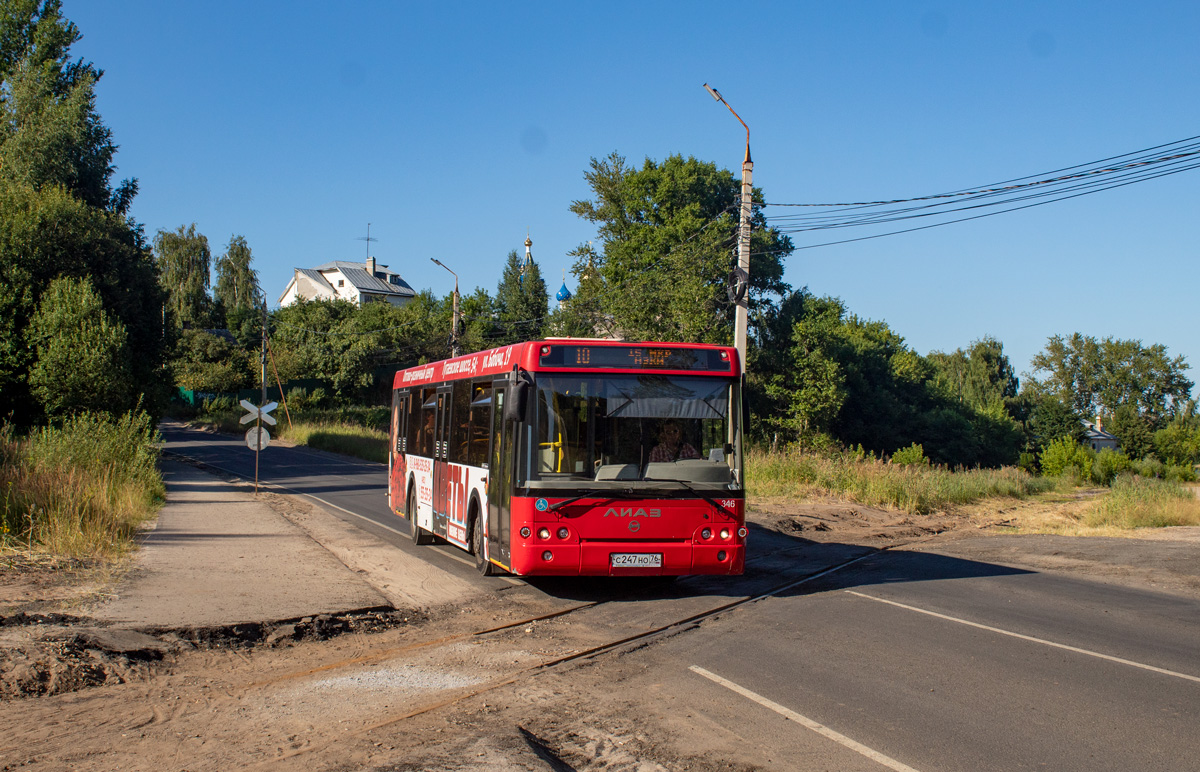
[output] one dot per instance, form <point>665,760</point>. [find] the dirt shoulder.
<point>415,688</point>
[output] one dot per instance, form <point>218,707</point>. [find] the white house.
<point>1096,438</point>
<point>358,283</point>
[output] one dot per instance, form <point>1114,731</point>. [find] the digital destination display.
<point>636,357</point>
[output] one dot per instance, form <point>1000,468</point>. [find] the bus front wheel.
<point>481,563</point>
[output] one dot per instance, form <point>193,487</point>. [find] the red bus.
<point>575,457</point>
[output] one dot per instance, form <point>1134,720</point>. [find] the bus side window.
<point>480,428</point>
<point>412,425</point>
<point>459,417</point>
<point>428,415</point>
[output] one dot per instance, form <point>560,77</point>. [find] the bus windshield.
<point>621,430</point>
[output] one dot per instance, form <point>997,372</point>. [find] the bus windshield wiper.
<point>695,491</point>
<point>605,493</point>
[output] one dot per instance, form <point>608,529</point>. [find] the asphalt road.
<point>903,660</point>
<point>936,663</point>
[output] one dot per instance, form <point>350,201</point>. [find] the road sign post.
<point>258,437</point>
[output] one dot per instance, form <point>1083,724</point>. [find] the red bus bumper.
<point>594,558</point>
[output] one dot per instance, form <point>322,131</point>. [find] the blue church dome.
<point>564,294</point>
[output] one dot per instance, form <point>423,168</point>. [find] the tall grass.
<point>917,489</point>
<point>82,489</point>
<point>1140,502</point>
<point>340,437</point>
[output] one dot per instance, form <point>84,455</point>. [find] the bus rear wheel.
<point>419,535</point>
<point>481,563</point>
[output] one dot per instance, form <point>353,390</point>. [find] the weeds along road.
<point>927,657</point>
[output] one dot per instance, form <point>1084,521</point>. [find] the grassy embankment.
<point>358,432</point>
<point>80,490</point>
<point>1130,503</point>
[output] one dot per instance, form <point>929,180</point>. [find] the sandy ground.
<point>419,687</point>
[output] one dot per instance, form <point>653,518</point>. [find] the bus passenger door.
<point>441,454</point>
<point>397,467</point>
<point>500,478</point>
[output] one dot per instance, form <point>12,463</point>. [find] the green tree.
<point>184,262</point>
<point>237,292</point>
<point>1178,443</point>
<point>1049,419</point>
<point>521,301</point>
<point>50,132</point>
<point>83,363</point>
<point>208,362</point>
<point>1132,429</point>
<point>857,382</point>
<point>979,376</point>
<point>48,234</point>
<point>1095,377</point>
<point>667,234</point>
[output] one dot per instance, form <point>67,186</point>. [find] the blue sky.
<point>456,128</point>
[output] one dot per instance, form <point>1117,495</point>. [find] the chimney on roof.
<point>1099,422</point>
<point>371,266</point>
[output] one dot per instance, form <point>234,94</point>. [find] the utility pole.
<point>455,349</point>
<point>263,358</point>
<point>739,281</point>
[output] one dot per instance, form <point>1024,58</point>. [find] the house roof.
<point>1092,433</point>
<point>356,274</point>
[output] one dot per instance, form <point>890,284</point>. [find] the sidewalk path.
<point>218,557</point>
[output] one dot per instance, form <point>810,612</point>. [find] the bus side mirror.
<point>514,409</point>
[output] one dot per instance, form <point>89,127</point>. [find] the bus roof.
<point>579,354</point>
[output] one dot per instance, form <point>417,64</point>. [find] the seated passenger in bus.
<point>670,446</point>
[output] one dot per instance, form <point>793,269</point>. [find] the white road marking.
<point>806,722</point>
<point>1030,638</point>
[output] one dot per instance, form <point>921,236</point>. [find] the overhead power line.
<point>1000,197</point>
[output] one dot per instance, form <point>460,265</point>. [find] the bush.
<point>82,354</point>
<point>1065,456</point>
<point>1148,467</point>
<point>1177,473</point>
<point>913,455</point>
<point>215,405</point>
<point>301,400</point>
<point>1107,465</point>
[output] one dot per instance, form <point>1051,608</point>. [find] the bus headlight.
<point>525,532</point>
<point>706,533</point>
<point>543,533</point>
<point>563,533</point>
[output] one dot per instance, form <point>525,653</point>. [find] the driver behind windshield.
<point>670,446</point>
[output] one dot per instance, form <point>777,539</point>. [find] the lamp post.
<point>454,347</point>
<point>740,280</point>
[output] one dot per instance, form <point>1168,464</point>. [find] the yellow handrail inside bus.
<point>557,446</point>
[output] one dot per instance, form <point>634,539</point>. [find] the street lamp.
<point>454,347</point>
<point>740,280</point>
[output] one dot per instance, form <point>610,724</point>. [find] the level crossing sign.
<point>258,437</point>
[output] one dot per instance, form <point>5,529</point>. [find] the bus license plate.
<point>637,560</point>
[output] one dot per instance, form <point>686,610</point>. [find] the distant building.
<point>1096,438</point>
<point>358,283</point>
